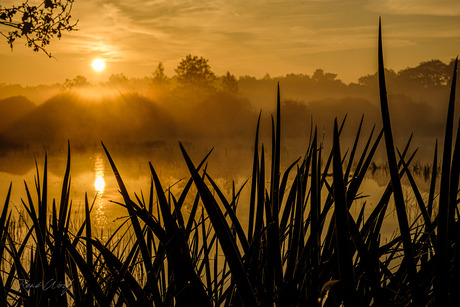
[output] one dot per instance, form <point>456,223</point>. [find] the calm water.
<point>92,174</point>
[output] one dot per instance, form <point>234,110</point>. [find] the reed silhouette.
<point>301,246</point>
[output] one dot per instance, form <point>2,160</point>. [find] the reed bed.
<point>300,247</point>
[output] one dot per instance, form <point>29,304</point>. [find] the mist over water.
<point>138,114</point>
<point>91,174</point>
<point>141,121</point>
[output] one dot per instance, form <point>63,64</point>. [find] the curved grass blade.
<point>329,159</point>
<point>87,273</point>
<point>186,189</point>
<point>383,202</point>
<point>353,150</point>
<point>283,189</point>
<point>363,155</point>
<point>132,208</point>
<point>41,251</point>
<point>16,256</point>
<point>232,215</point>
<point>363,166</point>
<point>121,272</point>
<point>417,194</point>
<point>223,233</point>
<point>297,230</point>
<point>188,285</point>
<point>206,252</point>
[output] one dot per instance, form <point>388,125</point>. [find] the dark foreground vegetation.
<point>300,247</point>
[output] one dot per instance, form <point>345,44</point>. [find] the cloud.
<point>228,33</point>
<point>250,37</point>
<point>416,7</point>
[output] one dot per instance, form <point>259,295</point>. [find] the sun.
<point>99,184</point>
<point>98,65</point>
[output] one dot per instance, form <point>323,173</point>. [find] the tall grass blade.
<point>43,202</point>
<point>255,171</point>
<point>41,251</point>
<point>186,189</point>
<point>223,233</point>
<point>188,285</point>
<point>342,235</point>
<point>395,180</point>
<point>363,166</point>
<point>434,173</point>
<point>89,247</point>
<point>418,196</point>
<point>259,225</point>
<point>238,228</point>
<point>454,179</point>
<point>329,159</point>
<point>363,155</point>
<point>4,223</point>
<point>168,220</point>
<point>283,189</point>
<point>381,207</point>
<point>297,229</point>
<point>353,150</point>
<point>441,281</point>
<point>275,201</point>
<point>135,223</point>
<point>17,265</point>
<point>87,274</point>
<point>455,295</point>
<point>206,252</point>
<point>315,224</point>
<point>305,168</point>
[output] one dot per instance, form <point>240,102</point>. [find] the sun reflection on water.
<point>99,185</point>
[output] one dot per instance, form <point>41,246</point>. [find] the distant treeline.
<point>422,82</point>
<point>197,104</point>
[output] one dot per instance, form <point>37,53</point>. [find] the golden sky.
<point>251,37</point>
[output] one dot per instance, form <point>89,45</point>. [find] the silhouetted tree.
<point>296,77</point>
<point>229,82</point>
<point>319,76</point>
<point>118,79</point>
<point>266,77</point>
<point>78,81</point>
<point>426,75</point>
<point>372,80</point>
<point>247,78</point>
<point>159,77</point>
<point>38,23</point>
<point>429,74</point>
<point>194,70</point>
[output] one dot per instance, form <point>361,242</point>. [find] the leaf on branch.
<point>26,28</point>
<point>48,4</point>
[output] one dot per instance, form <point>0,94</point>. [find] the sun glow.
<point>98,65</point>
<point>99,184</point>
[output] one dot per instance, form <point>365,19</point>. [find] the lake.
<point>91,173</point>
